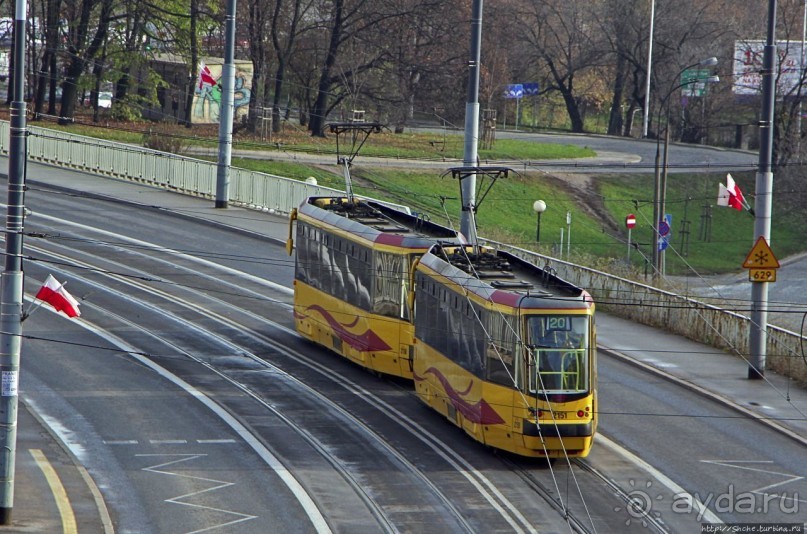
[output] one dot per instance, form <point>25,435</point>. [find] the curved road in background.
<point>622,154</point>
<point>614,155</point>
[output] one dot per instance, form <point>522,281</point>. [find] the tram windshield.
<point>558,356</point>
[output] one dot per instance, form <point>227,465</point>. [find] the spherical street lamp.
<point>539,206</point>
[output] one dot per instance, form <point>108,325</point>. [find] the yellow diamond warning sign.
<point>761,256</point>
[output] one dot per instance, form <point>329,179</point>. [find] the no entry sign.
<point>630,221</point>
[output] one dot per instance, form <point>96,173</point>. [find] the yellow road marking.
<point>59,493</point>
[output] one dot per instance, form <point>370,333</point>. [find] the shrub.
<point>160,137</point>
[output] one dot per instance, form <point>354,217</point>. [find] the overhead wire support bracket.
<point>492,172</point>
<point>353,128</point>
<point>341,129</point>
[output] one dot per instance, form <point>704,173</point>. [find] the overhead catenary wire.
<point>522,394</point>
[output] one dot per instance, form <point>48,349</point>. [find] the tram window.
<point>499,361</point>
<point>390,271</point>
<point>554,331</point>
<point>363,274</point>
<point>427,314</point>
<point>560,349</point>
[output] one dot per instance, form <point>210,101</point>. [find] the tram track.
<point>495,498</point>
<point>638,507</point>
<point>238,305</point>
<point>576,512</point>
<point>550,496</point>
<point>224,373</point>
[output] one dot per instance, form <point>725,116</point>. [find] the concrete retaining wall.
<point>680,315</point>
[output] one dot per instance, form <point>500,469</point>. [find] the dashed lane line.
<point>214,441</point>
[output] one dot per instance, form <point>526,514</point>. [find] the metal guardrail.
<point>182,174</point>
<point>674,313</point>
<point>625,298</point>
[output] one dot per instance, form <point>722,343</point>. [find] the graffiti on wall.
<point>207,100</point>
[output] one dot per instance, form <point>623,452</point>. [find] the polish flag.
<point>57,296</point>
<point>205,76</point>
<point>731,195</point>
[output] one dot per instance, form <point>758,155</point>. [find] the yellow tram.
<point>506,351</point>
<point>352,279</point>
<point>502,348</point>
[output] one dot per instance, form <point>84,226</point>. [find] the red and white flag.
<point>205,76</point>
<point>57,296</point>
<point>731,195</point>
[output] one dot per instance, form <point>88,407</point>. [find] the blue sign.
<point>514,90</point>
<point>664,226</point>
<point>530,88</point>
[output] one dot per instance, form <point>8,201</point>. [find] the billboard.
<point>748,67</point>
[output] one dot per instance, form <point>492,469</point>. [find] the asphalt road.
<point>121,416</point>
<point>744,473</point>
<point>619,154</point>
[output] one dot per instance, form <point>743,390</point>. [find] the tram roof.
<point>375,222</point>
<point>503,278</point>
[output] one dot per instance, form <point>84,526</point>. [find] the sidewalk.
<point>775,401</point>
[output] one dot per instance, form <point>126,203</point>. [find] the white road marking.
<point>743,464</point>
<point>694,503</point>
<point>306,502</point>
<point>182,499</point>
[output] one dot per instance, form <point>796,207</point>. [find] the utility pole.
<point>758,337</point>
<point>11,278</point>
<point>468,185</point>
<point>226,110</point>
<point>646,117</point>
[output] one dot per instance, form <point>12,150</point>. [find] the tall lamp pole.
<point>11,281</point>
<point>660,190</point>
<point>471,137</point>
<point>226,110</point>
<point>649,66</point>
<point>758,336</point>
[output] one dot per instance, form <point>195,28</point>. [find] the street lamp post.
<point>646,114</point>
<point>539,206</point>
<point>660,190</point>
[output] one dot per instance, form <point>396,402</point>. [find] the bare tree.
<point>257,22</point>
<point>48,72</point>
<point>285,30</point>
<point>85,37</point>
<point>347,20</point>
<point>564,43</point>
<point>423,56</point>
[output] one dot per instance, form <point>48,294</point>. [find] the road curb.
<point>196,218</point>
<point>98,498</point>
<point>705,393</point>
